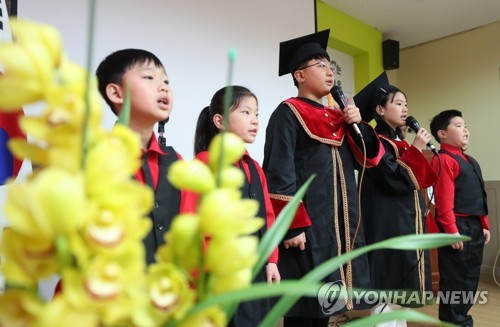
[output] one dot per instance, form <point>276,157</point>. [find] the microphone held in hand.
<point>339,97</point>
<point>413,124</point>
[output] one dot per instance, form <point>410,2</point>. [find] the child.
<point>461,209</point>
<point>392,203</point>
<point>303,138</point>
<point>244,122</point>
<point>151,102</point>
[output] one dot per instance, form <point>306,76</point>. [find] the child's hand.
<point>458,245</point>
<point>298,241</point>
<point>272,273</point>
<point>351,114</point>
<point>487,236</point>
<point>421,139</point>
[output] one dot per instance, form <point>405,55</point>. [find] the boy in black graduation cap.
<point>303,138</point>
<point>391,197</point>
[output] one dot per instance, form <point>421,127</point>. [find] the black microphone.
<point>161,131</point>
<point>413,124</point>
<point>339,97</point>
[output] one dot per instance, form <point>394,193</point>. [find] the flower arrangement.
<point>80,215</point>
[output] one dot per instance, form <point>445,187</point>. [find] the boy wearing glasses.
<point>303,138</point>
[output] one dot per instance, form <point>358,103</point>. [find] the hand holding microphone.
<point>339,97</point>
<point>413,124</point>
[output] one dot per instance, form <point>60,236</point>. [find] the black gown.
<point>315,141</point>
<point>393,205</point>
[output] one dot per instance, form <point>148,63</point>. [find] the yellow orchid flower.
<point>25,260</point>
<point>231,177</point>
<point>211,317</point>
<point>113,157</point>
<point>233,149</point>
<point>104,280</point>
<point>59,313</point>
<point>135,197</point>
<point>28,64</point>
<point>226,255</point>
<point>28,32</point>
<point>52,202</point>
<point>183,243</point>
<point>224,214</point>
<point>18,308</point>
<point>170,296</point>
<point>234,281</point>
<point>191,175</point>
<point>16,91</point>
<point>111,231</point>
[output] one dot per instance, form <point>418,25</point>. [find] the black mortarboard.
<point>369,97</point>
<point>294,52</point>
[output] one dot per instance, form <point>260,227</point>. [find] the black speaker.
<point>390,54</point>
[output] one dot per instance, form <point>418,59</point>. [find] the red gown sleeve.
<point>372,143</point>
<point>423,174</point>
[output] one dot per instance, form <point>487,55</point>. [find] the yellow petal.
<point>15,61</point>
<point>210,317</point>
<point>16,92</point>
<point>232,177</point>
<point>233,149</point>
<point>238,280</point>
<point>241,250</point>
<point>191,175</point>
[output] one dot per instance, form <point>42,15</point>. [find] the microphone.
<point>413,124</point>
<point>161,131</point>
<point>339,97</point>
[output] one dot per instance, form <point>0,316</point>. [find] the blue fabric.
<point>6,158</point>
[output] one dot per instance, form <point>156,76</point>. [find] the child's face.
<point>456,133</point>
<point>395,112</point>
<point>150,93</point>
<point>316,78</point>
<point>244,120</point>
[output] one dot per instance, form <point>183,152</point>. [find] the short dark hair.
<point>442,120</point>
<point>114,66</point>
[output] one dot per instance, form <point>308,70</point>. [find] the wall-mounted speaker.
<point>390,54</point>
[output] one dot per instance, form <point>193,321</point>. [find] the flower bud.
<point>191,175</point>
<point>233,145</point>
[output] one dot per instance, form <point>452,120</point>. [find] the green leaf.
<point>124,116</point>
<point>406,242</point>
<point>258,291</point>
<point>276,233</point>
<point>408,315</point>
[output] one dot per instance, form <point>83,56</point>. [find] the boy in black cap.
<point>303,138</point>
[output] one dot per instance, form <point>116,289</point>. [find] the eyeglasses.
<point>322,64</point>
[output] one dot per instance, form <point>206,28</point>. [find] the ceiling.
<point>413,22</point>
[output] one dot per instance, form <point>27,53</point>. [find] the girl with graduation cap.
<point>392,203</point>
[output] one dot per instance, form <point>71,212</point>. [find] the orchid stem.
<point>227,102</point>
<point>90,50</point>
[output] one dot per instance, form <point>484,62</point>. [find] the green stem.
<point>227,102</point>
<point>90,50</point>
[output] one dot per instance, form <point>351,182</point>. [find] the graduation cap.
<point>370,96</point>
<point>294,52</point>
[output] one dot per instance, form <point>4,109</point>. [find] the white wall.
<point>192,38</point>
